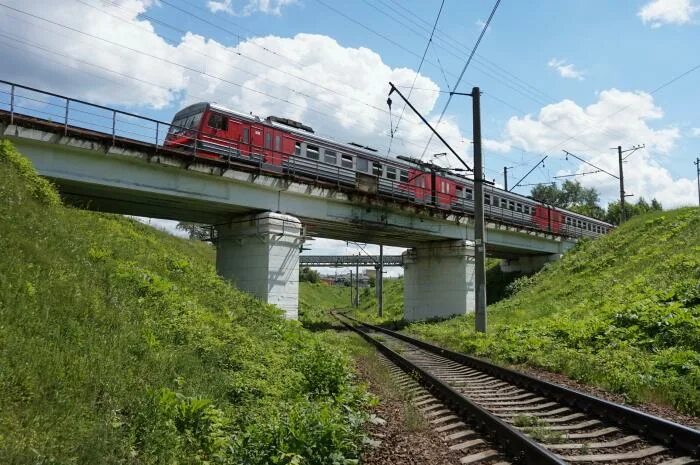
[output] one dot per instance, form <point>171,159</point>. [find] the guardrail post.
<point>12,104</point>
<point>65,118</point>
<point>114,126</point>
<point>157,131</point>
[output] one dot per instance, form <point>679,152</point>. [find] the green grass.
<point>119,344</point>
<point>621,312</point>
<point>317,299</point>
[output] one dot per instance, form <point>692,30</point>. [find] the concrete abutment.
<point>259,254</point>
<point>438,280</point>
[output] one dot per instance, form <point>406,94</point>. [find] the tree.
<point>631,209</point>
<point>308,275</point>
<point>196,231</point>
<point>571,196</point>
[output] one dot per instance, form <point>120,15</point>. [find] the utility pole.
<point>505,177</point>
<point>479,235</point>
<point>357,281</point>
<point>621,176</point>
<point>352,299</point>
<point>379,282</point>
<point>697,168</point>
<point>479,229</point>
<point>622,185</point>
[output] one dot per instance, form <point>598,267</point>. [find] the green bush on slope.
<point>119,344</point>
<point>621,312</point>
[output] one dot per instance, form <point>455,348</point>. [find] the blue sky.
<point>555,74</point>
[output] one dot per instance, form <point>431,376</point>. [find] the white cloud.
<point>695,132</point>
<point>660,12</point>
<point>213,71</point>
<point>270,7</point>
<point>618,117</point>
<point>565,70</point>
<point>496,146</point>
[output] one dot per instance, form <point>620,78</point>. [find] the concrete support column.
<point>527,263</point>
<point>438,280</point>
<point>259,254</point>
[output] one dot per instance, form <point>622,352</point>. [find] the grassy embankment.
<point>119,344</point>
<point>317,299</point>
<point>621,312</point>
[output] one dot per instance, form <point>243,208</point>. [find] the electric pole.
<point>505,176</point>
<point>622,185</point>
<point>479,236</point>
<point>357,281</point>
<point>697,168</point>
<point>479,229</point>
<point>621,176</point>
<point>379,282</point>
<point>352,299</point>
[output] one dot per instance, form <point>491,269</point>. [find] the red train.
<point>284,146</point>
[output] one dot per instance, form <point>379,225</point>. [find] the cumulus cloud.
<point>660,12</point>
<point>695,132</point>
<point>340,91</point>
<point>565,70</point>
<point>618,117</point>
<point>271,7</point>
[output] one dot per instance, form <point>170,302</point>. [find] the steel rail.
<point>509,440</point>
<point>680,437</point>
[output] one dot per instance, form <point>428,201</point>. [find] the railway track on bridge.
<point>493,415</point>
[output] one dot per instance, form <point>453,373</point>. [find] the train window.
<point>487,199</point>
<point>278,143</point>
<point>511,205</point>
<point>312,152</point>
<point>297,149</point>
<point>346,160</point>
<point>268,140</point>
<point>519,207</point>
<point>376,169</point>
<point>469,195</point>
<point>246,136</point>
<point>504,203</point>
<point>390,172</point>
<point>403,175</point>
<point>329,156</point>
<point>362,164</point>
<point>218,121</point>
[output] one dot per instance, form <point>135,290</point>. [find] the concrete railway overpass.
<point>262,220</point>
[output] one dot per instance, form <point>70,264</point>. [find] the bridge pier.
<point>260,255</point>
<point>438,280</point>
<point>527,263</point>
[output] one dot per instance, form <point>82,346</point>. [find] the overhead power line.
<point>461,74</point>
<point>415,77</point>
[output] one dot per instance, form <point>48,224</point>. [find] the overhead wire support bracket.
<point>528,174</point>
<point>590,164</point>
<point>394,89</point>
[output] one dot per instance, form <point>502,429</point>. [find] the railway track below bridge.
<point>493,415</point>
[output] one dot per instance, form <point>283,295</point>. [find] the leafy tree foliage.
<point>572,196</point>
<point>196,231</point>
<point>631,209</point>
<point>308,275</point>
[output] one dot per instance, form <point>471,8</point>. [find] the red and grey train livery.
<point>281,145</point>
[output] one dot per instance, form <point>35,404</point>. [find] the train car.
<point>281,145</point>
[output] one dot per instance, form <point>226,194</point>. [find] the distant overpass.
<point>349,260</point>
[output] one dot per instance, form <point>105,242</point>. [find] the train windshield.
<point>180,124</point>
